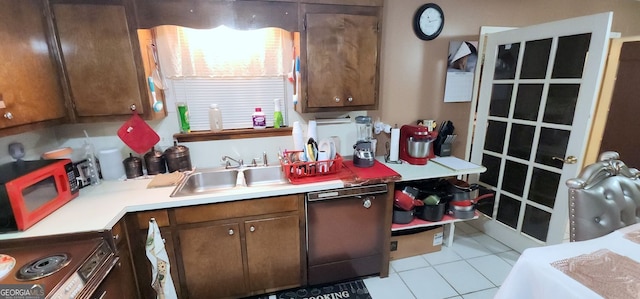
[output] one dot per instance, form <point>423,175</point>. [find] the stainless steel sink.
<point>215,179</point>
<point>268,175</point>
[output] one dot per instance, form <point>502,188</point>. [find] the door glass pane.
<point>508,211</point>
<point>528,101</point>
<point>561,103</point>
<point>544,186</point>
<point>520,141</point>
<point>552,143</point>
<point>496,132</point>
<point>514,177</point>
<point>500,100</point>
<point>506,61</point>
<point>571,56</point>
<point>490,176</point>
<point>535,59</point>
<point>485,206</point>
<point>536,222</point>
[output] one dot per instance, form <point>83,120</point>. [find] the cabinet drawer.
<point>236,209</point>
<point>161,216</point>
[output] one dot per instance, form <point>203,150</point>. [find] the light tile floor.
<point>473,268</point>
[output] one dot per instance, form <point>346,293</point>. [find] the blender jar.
<point>364,127</point>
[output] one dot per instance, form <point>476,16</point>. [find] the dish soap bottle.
<point>215,118</point>
<point>259,119</point>
<point>277,115</point>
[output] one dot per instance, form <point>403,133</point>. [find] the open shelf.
<point>417,222</point>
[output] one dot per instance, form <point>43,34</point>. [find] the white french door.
<point>537,96</point>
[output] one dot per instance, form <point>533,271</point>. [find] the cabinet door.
<point>99,59</point>
<point>212,261</point>
<point>342,60</point>
<point>29,83</point>
<point>273,253</point>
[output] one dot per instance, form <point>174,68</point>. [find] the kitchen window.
<point>238,70</point>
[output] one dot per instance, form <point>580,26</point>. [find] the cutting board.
<point>377,171</point>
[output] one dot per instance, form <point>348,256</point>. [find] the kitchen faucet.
<point>228,164</point>
<point>254,162</point>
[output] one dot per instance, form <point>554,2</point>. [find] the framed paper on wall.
<point>461,65</point>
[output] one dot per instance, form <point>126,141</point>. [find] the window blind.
<point>237,99</point>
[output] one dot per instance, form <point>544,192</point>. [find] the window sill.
<point>231,134</point>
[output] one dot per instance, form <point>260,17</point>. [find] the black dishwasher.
<point>345,232</point>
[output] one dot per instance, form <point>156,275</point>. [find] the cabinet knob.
<point>337,100</point>
<point>8,115</point>
<point>252,228</point>
<point>231,232</point>
<point>350,99</point>
<point>366,203</point>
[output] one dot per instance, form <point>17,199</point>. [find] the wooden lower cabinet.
<point>228,250</point>
<point>121,281</point>
<point>212,261</point>
<point>273,253</point>
<point>242,258</point>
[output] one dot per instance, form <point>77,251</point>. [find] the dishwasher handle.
<point>359,192</point>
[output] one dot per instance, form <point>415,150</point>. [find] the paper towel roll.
<point>394,144</point>
<point>111,164</point>
<point>312,130</point>
<point>298,139</point>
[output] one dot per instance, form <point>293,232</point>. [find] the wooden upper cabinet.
<point>205,14</point>
<point>341,58</point>
<point>29,85</point>
<point>100,61</point>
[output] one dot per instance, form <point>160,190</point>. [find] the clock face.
<point>428,21</point>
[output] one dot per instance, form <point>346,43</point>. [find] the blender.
<point>363,155</point>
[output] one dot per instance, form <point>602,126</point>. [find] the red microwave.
<point>31,190</point>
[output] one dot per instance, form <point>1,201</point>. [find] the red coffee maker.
<point>416,144</point>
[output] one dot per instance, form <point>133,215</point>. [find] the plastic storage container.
<point>259,119</point>
<point>215,118</point>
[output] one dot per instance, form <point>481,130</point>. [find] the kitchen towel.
<point>138,135</point>
<point>161,271</point>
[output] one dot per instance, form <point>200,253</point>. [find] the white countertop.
<point>98,208</point>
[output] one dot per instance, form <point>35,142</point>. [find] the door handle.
<point>568,160</point>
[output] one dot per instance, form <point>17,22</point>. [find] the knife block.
<point>445,150</point>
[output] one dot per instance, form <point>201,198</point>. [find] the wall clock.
<point>428,21</point>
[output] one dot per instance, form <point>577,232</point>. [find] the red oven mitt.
<point>138,135</point>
